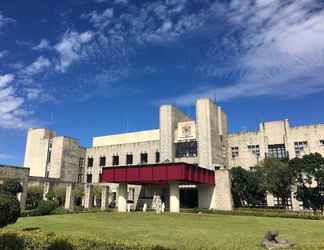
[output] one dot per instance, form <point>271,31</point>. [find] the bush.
<point>9,209</point>
<point>27,240</point>
<point>46,207</point>
<point>12,186</point>
<point>34,195</point>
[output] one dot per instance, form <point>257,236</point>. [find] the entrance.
<point>189,198</point>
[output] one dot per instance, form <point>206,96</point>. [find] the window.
<point>80,177</point>
<point>277,151</point>
<point>254,149</point>
<point>81,162</point>
<point>143,158</point>
<point>186,149</point>
<point>115,160</point>
<point>235,152</point>
<point>322,142</point>
<point>89,178</point>
<point>157,157</point>
<point>300,147</point>
<point>90,162</point>
<point>129,159</point>
<point>102,161</point>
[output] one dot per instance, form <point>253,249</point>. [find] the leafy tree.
<point>78,194</point>
<point>279,177</point>
<point>57,194</point>
<point>12,186</point>
<point>34,195</point>
<point>97,194</point>
<point>9,209</point>
<point>248,188</point>
<point>310,180</point>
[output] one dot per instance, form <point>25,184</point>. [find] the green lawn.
<point>222,231</point>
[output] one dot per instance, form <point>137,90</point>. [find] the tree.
<point>9,209</point>
<point>310,180</point>
<point>279,177</point>
<point>248,187</point>
<point>12,186</point>
<point>34,196</point>
<point>57,194</point>
<point>78,194</point>
<point>97,194</point>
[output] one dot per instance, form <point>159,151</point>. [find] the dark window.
<point>90,162</point>
<point>115,160</point>
<point>89,178</point>
<point>129,159</point>
<point>81,162</point>
<point>143,158</point>
<point>186,149</point>
<point>300,147</point>
<point>254,149</point>
<point>157,157</point>
<point>235,152</point>
<point>80,177</point>
<point>277,151</point>
<point>102,161</point>
<point>322,142</point>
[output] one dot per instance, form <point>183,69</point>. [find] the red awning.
<point>158,173</point>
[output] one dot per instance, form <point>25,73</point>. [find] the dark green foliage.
<point>46,207</point>
<point>310,180</point>
<point>34,195</point>
<point>9,209</point>
<point>248,187</point>
<point>10,241</point>
<point>279,178</point>
<point>12,186</point>
<point>60,244</point>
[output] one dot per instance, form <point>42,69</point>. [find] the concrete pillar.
<point>270,202</point>
<point>206,196</point>
<point>23,195</point>
<point>104,197</point>
<point>174,198</point>
<point>88,193</point>
<point>223,193</point>
<point>46,189</point>
<point>122,197</point>
<point>294,202</point>
<point>69,197</point>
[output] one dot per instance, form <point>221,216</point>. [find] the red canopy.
<point>158,173</point>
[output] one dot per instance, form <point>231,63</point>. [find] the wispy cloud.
<point>5,21</point>
<point>43,44</point>
<point>12,112</point>
<point>69,48</point>
<point>3,53</point>
<point>38,66</point>
<point>4,156</point>
<point>279,51</point>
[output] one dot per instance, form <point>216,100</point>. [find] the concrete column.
<point>294,202</point>
<point>270,202</point>
<point>88,193</point>
<point>206,196</point>
<point>69,197</point>
<point>46,189</point>
<point>104,197</point>
<point>174,198</point>
<point>122,197</point>
<point>23,195</point>
<point>223,193</point>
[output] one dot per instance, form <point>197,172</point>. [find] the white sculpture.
<point>144,207</point>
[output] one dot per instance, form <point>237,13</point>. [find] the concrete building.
<point>184,162</point>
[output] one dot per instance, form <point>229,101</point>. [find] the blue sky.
<point>93,67</point>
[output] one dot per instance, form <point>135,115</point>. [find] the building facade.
<point>202,144</point>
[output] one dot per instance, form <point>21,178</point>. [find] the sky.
<point>86,68</point>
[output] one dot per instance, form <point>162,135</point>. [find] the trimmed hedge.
<point>46,207</point>
<point>261,213</point>
<point>35,239</point>
<point>9,209</point>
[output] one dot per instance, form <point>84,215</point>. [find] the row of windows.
<point>129,159</point>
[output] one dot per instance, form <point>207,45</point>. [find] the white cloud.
<point>100,20</point>
<point>43,44</point>
<point>69,48</point>
<point>38,66</point>
<point>3,53</point>
<point>280,52</point>
<point>5,20</point>
<point>12,112</point>
<point>4,156</point>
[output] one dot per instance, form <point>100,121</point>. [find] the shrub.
<point>10,241</point>
<point>9,209</point>
<point>46,207</point>
<point>34,195</point>
<point>12,186</point>
<point>60,244</point>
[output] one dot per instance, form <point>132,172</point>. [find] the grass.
<point>181,230</point>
